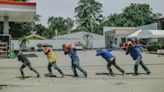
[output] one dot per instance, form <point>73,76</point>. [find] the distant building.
<point>114,36</point>
<point>78,39</point>
<point>89,40</point>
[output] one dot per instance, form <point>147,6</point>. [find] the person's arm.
<point>138,46</point>
<point>127,51</point>
<point>109,50</point>
<point>98,54</point>
<point>46,51</point>
<point>65,52</point>
<point>124,49</point>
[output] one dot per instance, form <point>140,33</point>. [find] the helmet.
<point>67,46</point>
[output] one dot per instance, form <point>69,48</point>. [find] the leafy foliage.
<point>59,25</point>
<point>88,13</point>
<point>132,16</point>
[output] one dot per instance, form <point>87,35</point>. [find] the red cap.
<point>67,46</point>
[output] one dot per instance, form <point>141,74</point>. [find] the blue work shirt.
<point>73,55</point>
<point>134,51</point>
<point>104,54</point>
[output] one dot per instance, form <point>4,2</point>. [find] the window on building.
<point>115,40</point>
<point>123,40</point>
<point>162,25</point>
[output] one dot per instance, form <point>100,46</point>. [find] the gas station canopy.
<point>17,11</point>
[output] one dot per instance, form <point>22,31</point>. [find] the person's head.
<point>129,43</point>
<point>45,45</point>
<point>98,51</point>
<point>67,47</point>
<point>16,52</point>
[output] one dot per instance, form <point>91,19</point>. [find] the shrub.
<point>39,46</point>
<point>154,46</point>
<point>32,48</point>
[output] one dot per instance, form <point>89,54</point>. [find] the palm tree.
<point>23,42</point>
<point>87,14</point>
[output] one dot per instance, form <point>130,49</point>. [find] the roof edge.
<point>18,3</point>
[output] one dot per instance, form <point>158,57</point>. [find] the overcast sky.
<point>65,8</point>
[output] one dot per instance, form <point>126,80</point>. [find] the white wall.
<point>57,44</point>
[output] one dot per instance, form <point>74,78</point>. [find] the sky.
<point>65,8</point>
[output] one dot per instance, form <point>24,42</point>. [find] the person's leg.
<point>120,69</point>
<point>115,64</point>
<point>21,70</point>
<point>81,69</point>
<point>109,68</point>
<point>145,67</point>
<point>57,68</point>
<point>74,69</point>
<point>49,68</point>
<point>137,61</point>
<point>31,68</point>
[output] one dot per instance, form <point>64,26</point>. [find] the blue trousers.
<point>139,61</point>
<point>75,64</point>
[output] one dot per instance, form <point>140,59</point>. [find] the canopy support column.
<point>6,25</point>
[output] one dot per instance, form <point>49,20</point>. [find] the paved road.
<point>98,79</point>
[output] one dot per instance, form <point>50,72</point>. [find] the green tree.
<point>88,13</point>
<point>18,30</point>
<point>57,23</point>
<point>132,16</point>
<point>41,30</point>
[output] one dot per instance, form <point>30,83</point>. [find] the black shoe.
<point>148,73</point>
<point>49,75</point>
<point>112,75</point>
<point>76,75</point>
<point>38,75</point>
<point>85,75</point>
<point>23,77</point>
<point>135,74</point>
<point>123,72</point>
<point>62,76</point>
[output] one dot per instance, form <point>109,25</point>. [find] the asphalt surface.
<point>98,79</point>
